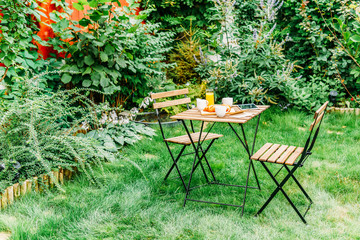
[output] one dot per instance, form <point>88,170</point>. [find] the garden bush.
<point>324,49</point>
<point>176,15</point>
<point>19,43</point>
<point>245,61</point>
<point>43,130</point>
<point>116,52</point>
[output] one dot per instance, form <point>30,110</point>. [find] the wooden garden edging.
<point>345,110</point>
<point>18,190</point>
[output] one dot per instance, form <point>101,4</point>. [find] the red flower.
<point>352,99</point>
<point>358,95</point>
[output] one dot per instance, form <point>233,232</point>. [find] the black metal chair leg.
<point>246,187</point>
<point>279,188</point>
<point>203,170</point>
<point>176,166</point>
<point>299,185</point>
<point>195,157</point>
<point>207,162</point>
<point>256,178</point>
<point>177,159</point>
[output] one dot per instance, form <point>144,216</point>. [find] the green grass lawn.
<point>135,204</point>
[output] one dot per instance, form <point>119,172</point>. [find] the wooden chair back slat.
<point>169,93</point>
<point>172,103</point>
<point>317,120</point>
<point>318,115</point>
<point>321,109</point>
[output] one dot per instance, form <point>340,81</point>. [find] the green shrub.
<point>246,62</point>
<point>18,52</point>
<point>115,53</point>
<point>183,56</point>
<point>320,45</point>
<point>175,15</point>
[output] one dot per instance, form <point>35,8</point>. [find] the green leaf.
<point>87,71</point>
<point>133,29</point>
<point>93,3</point>
<point>66,78</point>
<point>95,77</point>
<point>114,74</point>
<point>30,63</point>
<point>104,82</point>
<point>190,18</point>
<point>89,60</point>
<point>64,23</point>
<point>111,89</point>
<point>86,83</point>
<point>109,49</point>
<point>78,6</point>
<point>126,9</point>
<point>120,140</point>
<point>84,22</point>
<point>104,57</point>
<point>129,55</point>
<point>142,17</point>
<point>95,16</point>
<point>121,62</point>
<point>88,35</point>
<point>99,68</point>
<point>32,55</point>
<point>98,44</point>
<point>346,36</point>
<point>109,144</point>
<point>355,38</point>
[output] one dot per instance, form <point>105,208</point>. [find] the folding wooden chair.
<point>183,140</point>
<point>287,157</point>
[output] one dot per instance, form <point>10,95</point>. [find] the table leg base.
<point>222,184</point>
<point>217,203</point>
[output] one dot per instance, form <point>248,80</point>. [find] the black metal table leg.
<point>197,160</point>
<point>195,157</point>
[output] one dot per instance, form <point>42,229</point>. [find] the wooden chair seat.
<point>276,153</point>
<point>185,140</point>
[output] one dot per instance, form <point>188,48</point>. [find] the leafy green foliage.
<point>115,136</point>
<point>322,33</point>
<point>246,62</point>
<point>177,14</point>
<point>115,53</point>
<point>38,131</point>
<point>18,52</point>
<point>184,54</point>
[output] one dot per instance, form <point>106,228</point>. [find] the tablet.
<point>248,106</point>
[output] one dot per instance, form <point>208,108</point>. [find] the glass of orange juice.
<point>210,97</point>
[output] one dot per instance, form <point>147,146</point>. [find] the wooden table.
<point>241,118</point>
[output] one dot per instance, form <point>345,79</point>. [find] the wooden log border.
<point>356,111</point>
<point>16,191</point>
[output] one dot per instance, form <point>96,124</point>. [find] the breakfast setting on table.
<point>227,108</point>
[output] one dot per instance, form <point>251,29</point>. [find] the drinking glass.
<point>210,97</point>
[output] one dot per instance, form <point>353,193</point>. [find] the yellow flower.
<point>310,67</point>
